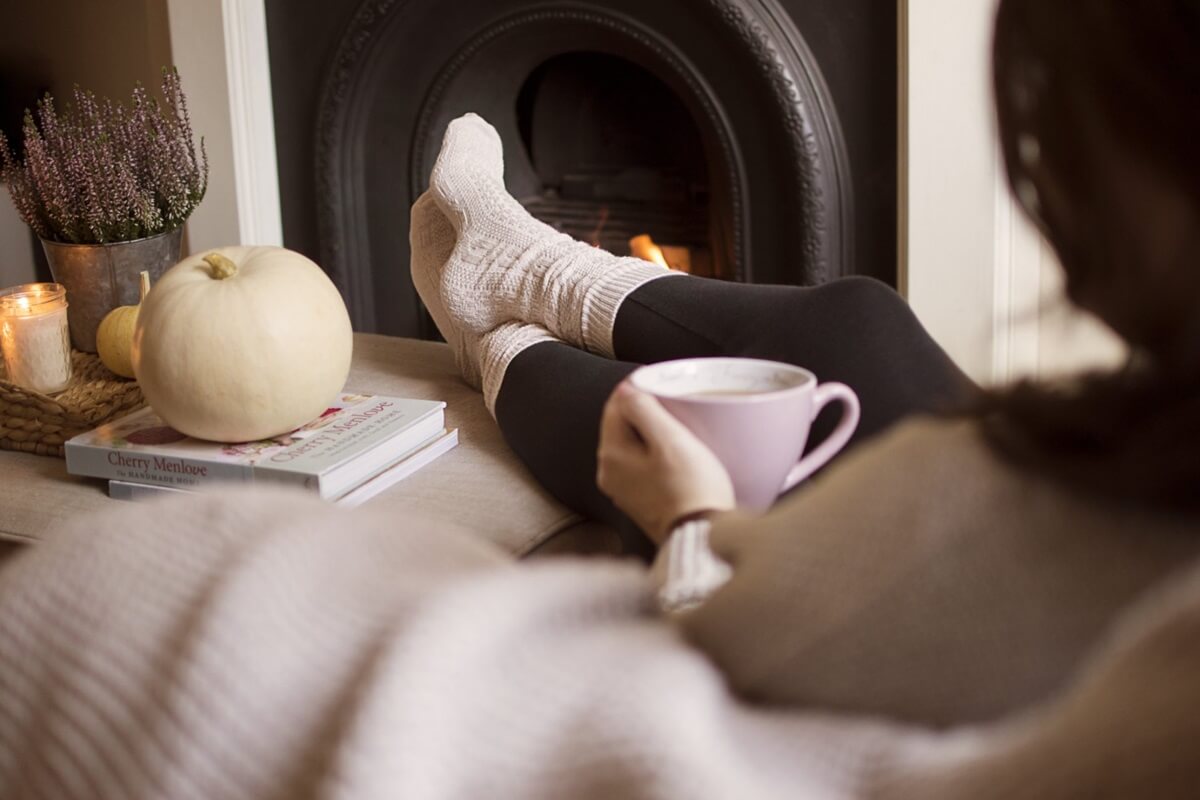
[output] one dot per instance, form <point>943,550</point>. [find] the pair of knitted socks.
<point>496,280</point>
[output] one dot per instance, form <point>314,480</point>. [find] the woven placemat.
<point>37,423</point>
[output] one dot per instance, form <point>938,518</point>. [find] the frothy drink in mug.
<point>755,415</point>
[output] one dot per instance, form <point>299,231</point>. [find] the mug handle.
<point>825,394</point>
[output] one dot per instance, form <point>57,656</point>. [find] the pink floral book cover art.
<point>145,430</point>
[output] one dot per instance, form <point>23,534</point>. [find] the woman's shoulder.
<point>923,449</point>
<point>941,437</point>
<point>946,465</point>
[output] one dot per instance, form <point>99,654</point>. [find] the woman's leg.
<point>856,330</point>
<point>549,408</point>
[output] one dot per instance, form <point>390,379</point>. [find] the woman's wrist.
<point>686,571</point>
<point>692,516</point>
<point>699,515</point>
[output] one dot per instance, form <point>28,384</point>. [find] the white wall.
<point>975,271</point>
<point>16,246</point>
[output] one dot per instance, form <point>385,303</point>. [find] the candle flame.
<point>29,300</point>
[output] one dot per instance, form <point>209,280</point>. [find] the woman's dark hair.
<point>1098,105</point>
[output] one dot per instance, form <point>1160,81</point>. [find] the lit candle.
<point>34,336</point>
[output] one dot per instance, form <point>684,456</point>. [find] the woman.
<point>972,528</point>
<point>956,573</point>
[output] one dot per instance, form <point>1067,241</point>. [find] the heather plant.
<point>105,172</point>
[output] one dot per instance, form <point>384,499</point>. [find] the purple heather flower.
<point>104,172</point>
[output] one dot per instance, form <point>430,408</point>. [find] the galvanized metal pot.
<point>101,277</point>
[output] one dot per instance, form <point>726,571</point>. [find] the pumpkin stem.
<point>222,266</point>
<point>145,276</point>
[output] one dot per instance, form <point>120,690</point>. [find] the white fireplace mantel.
<point>221,46</point>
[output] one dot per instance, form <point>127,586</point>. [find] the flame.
<point>23,303</point>
<point>643,247</point>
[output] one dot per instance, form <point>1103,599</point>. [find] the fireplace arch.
<point>775,182</point>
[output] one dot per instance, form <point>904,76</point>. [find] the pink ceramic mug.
<point>754,415</point>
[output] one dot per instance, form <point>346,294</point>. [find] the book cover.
<point>354,438</point>
<point>389,477</point>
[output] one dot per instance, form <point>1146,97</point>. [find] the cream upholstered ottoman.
<point>480,485</point>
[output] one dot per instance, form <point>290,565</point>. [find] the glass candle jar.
<point>34,336</point>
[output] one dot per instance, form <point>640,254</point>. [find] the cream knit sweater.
<point>268,646</point>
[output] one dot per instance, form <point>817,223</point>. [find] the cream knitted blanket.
<point>264,645</point>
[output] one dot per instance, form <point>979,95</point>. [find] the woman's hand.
<point>653,467</point>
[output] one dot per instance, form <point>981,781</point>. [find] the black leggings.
<point>855,330</point>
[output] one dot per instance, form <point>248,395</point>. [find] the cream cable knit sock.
<point>431,239</point>
<point>508,265</point>
<point>482,360</point>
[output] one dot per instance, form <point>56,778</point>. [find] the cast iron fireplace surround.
<point>704,121</point>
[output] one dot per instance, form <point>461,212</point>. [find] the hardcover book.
<point>355,439</point>
<point>446,441</point>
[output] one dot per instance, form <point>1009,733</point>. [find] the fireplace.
<point>701,132</point>
<point>618,161</point>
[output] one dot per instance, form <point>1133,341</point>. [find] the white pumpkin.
<point>242,343</point>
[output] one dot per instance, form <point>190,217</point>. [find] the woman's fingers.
<point>614,426</point>
<point>619,443</point>
<point>653,467</point>
<point>647,416</point>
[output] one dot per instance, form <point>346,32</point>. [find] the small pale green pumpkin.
<point>114,337</point>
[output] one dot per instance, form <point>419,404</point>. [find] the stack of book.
<point>360,446</point>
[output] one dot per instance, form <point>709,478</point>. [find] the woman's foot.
<point>431,239</point>
<point>481,359</point>
<point>508,266</point>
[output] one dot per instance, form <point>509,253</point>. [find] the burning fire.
<point>645,248</point>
